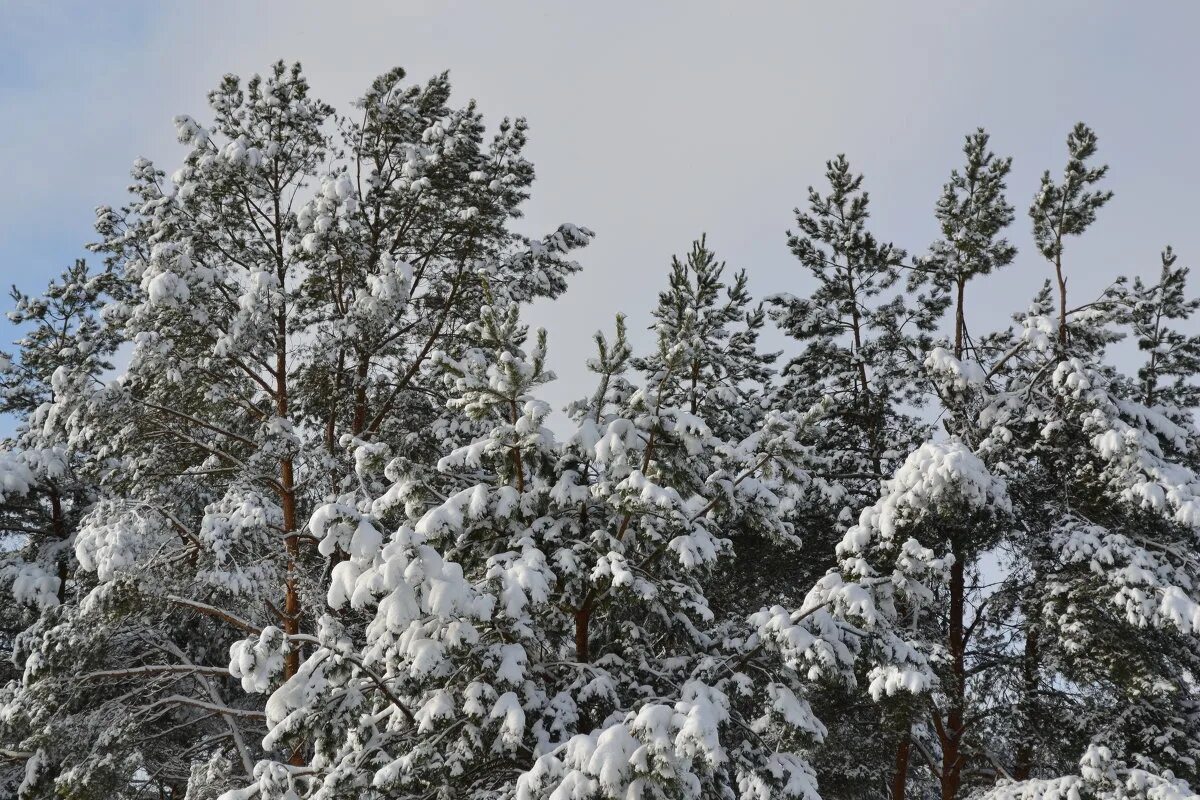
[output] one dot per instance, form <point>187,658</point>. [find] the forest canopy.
<point>285,515</point>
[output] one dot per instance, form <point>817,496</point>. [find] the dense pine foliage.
<point>285,515</point>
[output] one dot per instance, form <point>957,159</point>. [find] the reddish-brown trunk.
<point>291,609</point>
<point>583,619</point>
<point>899,781</point>
<point>952,735</point>
<point>291,604</point>
<point>287,477</point>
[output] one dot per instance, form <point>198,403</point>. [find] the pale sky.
<point>650,122</point>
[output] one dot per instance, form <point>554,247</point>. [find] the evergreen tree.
<point>1082,638</point>
<point>44,489</point>
<point>283,295</point>
<point>1099,562</point>
<point>713,329</point>
<point>862,344</point>
<point>1067,209</point>
<point>709,364</point>
<point>854,340</point>
<point>63,340</point>
<point>540,622</point>
<point>972,213</point>
<point>1172,357</point>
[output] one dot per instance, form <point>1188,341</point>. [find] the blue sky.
<point>651,123</point>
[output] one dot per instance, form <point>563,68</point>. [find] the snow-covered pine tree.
<point>1062,488</point>
<point>941,511</point>
<point>286,289</point>
<point>972,214</point>
<point>1060,210</point>
<point>62,339</point>
<point>326,476</point>
<point>713,327</point>
<point>44,493</point>
<point>1098,610</point>
<point>862,346</point>
<point>855,340</point>
<point>708,363</point>
<point>1172,356</point>
<point>1101,599</point>
<point>540,627</point>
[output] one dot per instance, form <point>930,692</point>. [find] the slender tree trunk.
<point>899,782</point>
<point>1023,766</point>
<point>291,604</point>
<point>582,645</point>
<point>59,524</point>
<point>287,501</point>
<point>1151,383</point>
<point>287,476</point>
<point>960,319</point>
<point>1062,299</point>
<point>583,654</point>
<point>515,451</point>
<point>952,738</point>
<point>360,396</point>
<point>868,415</point>
<point>694,399</point>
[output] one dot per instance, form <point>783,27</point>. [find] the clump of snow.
<point>953,373</point>
<point>257,660</point>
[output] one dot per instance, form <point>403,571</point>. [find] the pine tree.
<point>539,615</point>
<point>1172,357</point>
<point>284,293</point>
<point>973,213</point>
<point>708,363</point>
<point>63,340</point>
<point>320,538</point>
<point>1063,490</point>
<point>861,363</point>
<point>860,349</point>
<point>854,341</point>
<point>713,328</point>
<point>44,489</point>
<point>1099,564</point>
<point>1067,209</point>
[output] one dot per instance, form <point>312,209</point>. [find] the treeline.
<point>317,539</point>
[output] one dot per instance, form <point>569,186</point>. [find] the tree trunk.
<point>1062,300</point>
<point>360,396</point>
<point>952,755</point>
<point>899,783</point>
<point>960,319</point>
<point>59,523</point>
<point>291,606</point>
<point>1023,766</point>
<point>582,644</point>
<point>287,478</point>
<point>869,421</point>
